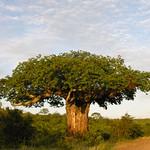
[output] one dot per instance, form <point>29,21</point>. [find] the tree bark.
<point>77,118</point>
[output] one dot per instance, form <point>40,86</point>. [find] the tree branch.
<point>69,94</point>
<point>28,103</point>
<point>34,99</point>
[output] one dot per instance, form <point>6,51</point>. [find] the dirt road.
<point>139,144</point>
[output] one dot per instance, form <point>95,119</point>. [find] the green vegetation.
<point>44,132</point>
<point>15,128</point>
<point>81,78</point>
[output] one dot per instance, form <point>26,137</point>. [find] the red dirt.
<point>139,144</point>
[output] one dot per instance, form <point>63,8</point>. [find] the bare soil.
<point>139,144</point>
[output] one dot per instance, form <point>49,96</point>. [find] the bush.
<point>16,128</point>
<point>50,130</point>
<point>126,128</point>
<point>135,131</point>
<point>105,135</point>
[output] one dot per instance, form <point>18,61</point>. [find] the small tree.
<point>80,78</point>
<point>44,111</point>
<point>96,115</point>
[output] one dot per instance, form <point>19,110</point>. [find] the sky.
<point>106,27</point>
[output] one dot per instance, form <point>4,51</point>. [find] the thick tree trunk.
<point>77,119</point>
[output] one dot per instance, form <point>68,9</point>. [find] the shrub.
<point>135,131</point>
<point>105,135</point>
<point>16,128</point>
<point>126,128</point>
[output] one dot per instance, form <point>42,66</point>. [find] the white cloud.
<point>99,26</point>
<point>10,7</point>
<point>13,8</point>
<point>145,23</point>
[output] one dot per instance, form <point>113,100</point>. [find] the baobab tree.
<point>81,78</point>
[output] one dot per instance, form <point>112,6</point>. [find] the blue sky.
<point>107,27</point>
